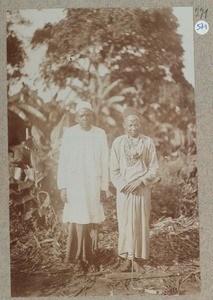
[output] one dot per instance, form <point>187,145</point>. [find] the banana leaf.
<point>21,199</point>
<point>115,99</point>
<point>38,137</point>
<point>127,90</point>
<point>37,165</point>
<point>105,110</point>
<point>57,132</point>
<point>33,111</point>
<point>22,185</point>
<point>110,121</point>
<point>15,109</point>
<point>117,107</point>
<point>110,87</point>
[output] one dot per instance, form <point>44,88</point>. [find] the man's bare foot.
<point>138,266</point>
<point>125,266</point>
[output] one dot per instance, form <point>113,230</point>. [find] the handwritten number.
<point>196,11</point>
<point>201,12</point>
<point>201,26</point>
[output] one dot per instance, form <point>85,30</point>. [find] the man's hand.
<point>64,195</point>
<point>133,186</point>
<point>103,196</point>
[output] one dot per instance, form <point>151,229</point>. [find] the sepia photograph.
<point>102,149</point>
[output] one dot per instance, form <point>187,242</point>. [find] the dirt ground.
<point>172,269</point>
<point>66,283</point>
<point>159,276</point>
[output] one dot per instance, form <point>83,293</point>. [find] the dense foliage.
<point>111,58</point>
<point>121,57</point>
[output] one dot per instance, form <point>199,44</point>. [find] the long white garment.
<point>83,171</point>
<point>133,211</point>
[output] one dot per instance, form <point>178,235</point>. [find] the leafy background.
<point>112,58</point>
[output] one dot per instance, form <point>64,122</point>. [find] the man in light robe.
<point>133,168</point>
<point>83,182</point>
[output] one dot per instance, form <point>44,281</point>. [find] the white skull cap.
<point>83,105</point>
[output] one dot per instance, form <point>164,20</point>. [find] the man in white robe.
<point>83,182</point>
<point>133,168</point>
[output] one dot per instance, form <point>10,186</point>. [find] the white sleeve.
<point>115,174</point>
<point>153,165</point>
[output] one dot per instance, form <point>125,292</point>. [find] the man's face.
<point>132,125</point>
<point>84,118</point>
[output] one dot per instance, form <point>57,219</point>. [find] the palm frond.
<point>18,112</point>
<point>110,87</point>
<point>114,99</point>
<point>105,110</point>
<point>130,89</point>
<point>32,110</point>
<point>117,107</point>
<point>110,121</point>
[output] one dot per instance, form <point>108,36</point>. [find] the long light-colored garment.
<point>133,211</point>
<point>83,171</point>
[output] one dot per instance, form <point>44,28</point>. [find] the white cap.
<point>83,104</point>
